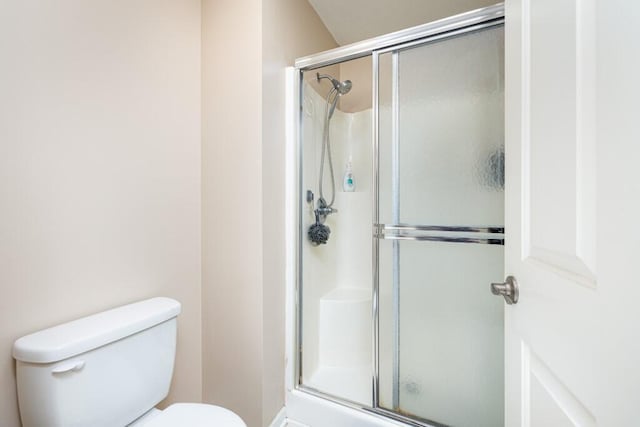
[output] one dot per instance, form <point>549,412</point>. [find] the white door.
<point>572,212</point>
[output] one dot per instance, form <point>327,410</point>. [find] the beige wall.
<point>359,71</point>
<point>243,196</point>
<point>99,169</point>
<point>232,206</point>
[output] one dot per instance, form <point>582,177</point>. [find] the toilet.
<point>108,370</point>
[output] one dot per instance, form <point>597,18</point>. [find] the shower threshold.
<point>308,407</point>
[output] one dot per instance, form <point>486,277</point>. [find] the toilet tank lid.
<point>78,336</point>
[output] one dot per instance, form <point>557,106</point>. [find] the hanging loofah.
<point>319,233</point>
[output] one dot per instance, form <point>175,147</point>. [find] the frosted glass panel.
<point>451,332</point>
<point>450,132</point>
<point>441,148</point>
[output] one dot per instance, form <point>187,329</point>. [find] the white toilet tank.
<point>102,370</point>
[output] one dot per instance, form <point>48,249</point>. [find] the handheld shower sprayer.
<point>319,232</point>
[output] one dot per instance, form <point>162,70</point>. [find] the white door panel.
<point>551,212</point>
<point>558,137</point>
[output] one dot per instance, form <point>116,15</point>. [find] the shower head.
<point>341,87</point>
<point>345,87</point>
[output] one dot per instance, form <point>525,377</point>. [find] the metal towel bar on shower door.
<point>489,235</point>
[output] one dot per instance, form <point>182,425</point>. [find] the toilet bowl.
<point>192,415</point>
<point>109,369</point>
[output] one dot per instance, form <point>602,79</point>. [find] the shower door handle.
<point>508,289</point>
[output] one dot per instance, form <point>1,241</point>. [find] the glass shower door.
<point>440,229</point>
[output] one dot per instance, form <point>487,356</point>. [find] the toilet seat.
<point>195,415</point>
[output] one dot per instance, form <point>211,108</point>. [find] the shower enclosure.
<point>394,312</point>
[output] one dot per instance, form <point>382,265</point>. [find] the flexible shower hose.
<point>326,146</point>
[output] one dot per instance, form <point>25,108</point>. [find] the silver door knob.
<point>508,289</point>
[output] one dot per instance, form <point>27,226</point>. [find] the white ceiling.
<point>350,21</point>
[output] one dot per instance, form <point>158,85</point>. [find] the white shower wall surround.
<point>337,276</point>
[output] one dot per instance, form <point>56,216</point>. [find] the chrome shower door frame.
<point>476,20</point>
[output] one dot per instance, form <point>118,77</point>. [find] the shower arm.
<point>328,77</point>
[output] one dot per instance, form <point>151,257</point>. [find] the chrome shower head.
<point>341,87</point>
<point>344,87</point>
